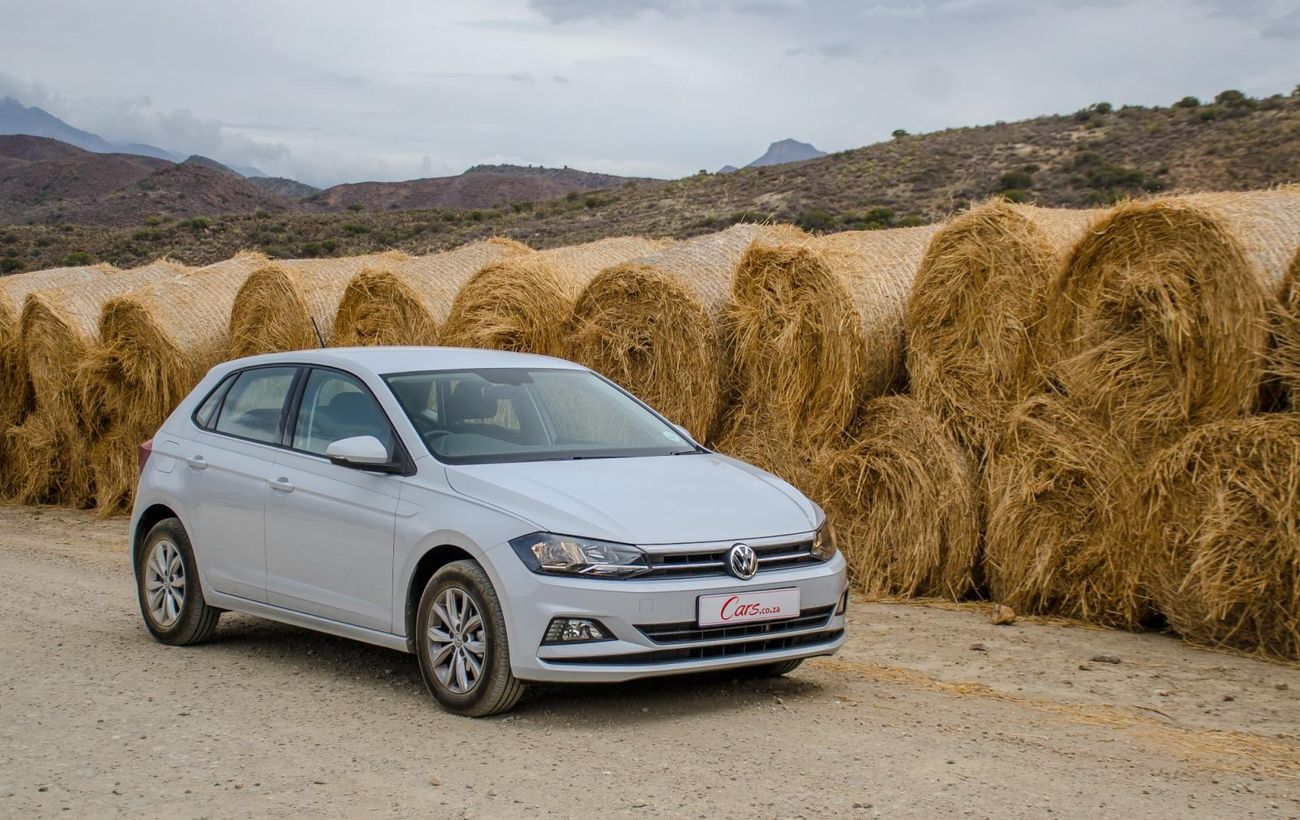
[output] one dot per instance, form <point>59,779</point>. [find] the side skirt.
<point>287,616</point>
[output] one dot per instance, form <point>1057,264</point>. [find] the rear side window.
<point>254,404</point>
<point>207,412</point>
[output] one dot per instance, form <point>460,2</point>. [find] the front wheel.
<point>167,584</point>
<point>462,645</point>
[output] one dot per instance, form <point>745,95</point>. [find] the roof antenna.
<point>320,340</point>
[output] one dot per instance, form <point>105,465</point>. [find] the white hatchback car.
<point>506,517</point>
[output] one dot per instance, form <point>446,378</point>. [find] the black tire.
<point>770,670</point>
<point>496,690</point>
<point>196,620</point>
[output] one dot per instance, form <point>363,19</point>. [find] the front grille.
<point>694,653</point>
<point>687,631</point>
<point>694,564</point>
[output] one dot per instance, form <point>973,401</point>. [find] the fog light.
<point>575,630</point>
<point>843,605</point>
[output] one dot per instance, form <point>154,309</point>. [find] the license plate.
<point>747,607</point>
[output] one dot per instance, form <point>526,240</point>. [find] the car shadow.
<point>319,655</point>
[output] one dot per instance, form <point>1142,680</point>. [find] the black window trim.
<point>222,388</point>
<point>402,463</point>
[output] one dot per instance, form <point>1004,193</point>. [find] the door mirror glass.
<point>366,452</point>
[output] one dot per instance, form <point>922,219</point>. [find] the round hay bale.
<point>15,389</point>
<point>1160,319</point>
<point>971,318</point>
<point>1285,365</point>
<point>521,303</point>
<point>1056,539</point>
<point>1222,517</point>
<point>291,304</point>
<point>654,324</point>
<point>33,453</point>
<point>408,304</point>
<point>902,498</point>
<point>816,326</point>
<point>155,343</point>
<point>59,326</point>
<point>15,384</point>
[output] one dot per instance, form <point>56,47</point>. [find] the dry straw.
<point>654,324</point>
<point>1222,516</point>
<point>1286,332</point>
<point>1057,538</point>
<point>521,303</point>
<point>59,326</point>
<point>972,316</point>
<point>408,304</point>
<point>1160,319</point>
<point>902,498</point>
<point>291,304</point>
<point>816,327</point>
<point>15,384</point>
<point>155,343</point>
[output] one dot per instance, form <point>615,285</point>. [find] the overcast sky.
<point>329,91</point>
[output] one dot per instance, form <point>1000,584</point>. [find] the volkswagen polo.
<point>505,517</point>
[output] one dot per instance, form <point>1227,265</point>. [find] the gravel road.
<point>929,711</point>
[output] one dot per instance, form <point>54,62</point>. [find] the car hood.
<point>656,500</point>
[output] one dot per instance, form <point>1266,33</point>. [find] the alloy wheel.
<point>165,583</point>
<point>457,641</point>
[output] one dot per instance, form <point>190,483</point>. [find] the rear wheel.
<point>167,584</point>
<point>462,645</point>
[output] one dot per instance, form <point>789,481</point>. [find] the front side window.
<point>337,406</point>
<point>254,404</point>
<point>519,414</point>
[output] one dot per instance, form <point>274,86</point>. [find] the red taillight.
<point>146,450</point>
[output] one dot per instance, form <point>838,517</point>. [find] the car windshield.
<point>525,414</point>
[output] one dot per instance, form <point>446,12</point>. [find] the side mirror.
<point>364,452</point>
<point>686,434</point>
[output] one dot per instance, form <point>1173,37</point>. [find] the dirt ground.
<point>929,711</point>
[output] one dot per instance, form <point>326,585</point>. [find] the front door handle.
<point>197,462</point>
<point>282,484</point>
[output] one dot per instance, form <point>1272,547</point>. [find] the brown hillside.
<point>483,186</point>
<point>1089,158</point>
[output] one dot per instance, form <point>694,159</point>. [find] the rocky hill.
<point>1091,157</point>
<point>483,186</point>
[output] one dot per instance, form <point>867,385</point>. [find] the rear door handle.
<point>282,484</point>
<point>197,462</point>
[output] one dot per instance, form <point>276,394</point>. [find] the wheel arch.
<point>434,559</point>
<point>145,522</point>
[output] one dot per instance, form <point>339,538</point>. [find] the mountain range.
<point>1093,156</point>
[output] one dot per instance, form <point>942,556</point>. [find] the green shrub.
<point>329,245</point>
<point>1102,107</point>
<point>354,229</point>
<point>749,217</point>
<point>898,133</point>
<point>356,206</point>
<point>75,259</point>
<point>475,216</point>
<point>196,223</point>
<point>1188,102</point>
<point>1232,98</point>
<point>592,201</point>
<point>10,265</point>
<point>1015,179</point>
<point>816,219</point>
<point>1016,195</point>
<point>1210,113</point>
<point>910,221</point>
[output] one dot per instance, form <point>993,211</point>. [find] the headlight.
<point>551,554</point>
<point>823,546</point>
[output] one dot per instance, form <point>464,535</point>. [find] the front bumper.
<point>636,610</point>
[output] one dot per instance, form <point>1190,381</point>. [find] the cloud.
<point>838,50</point>
<point>1286,27</point>
<point>569,11</point>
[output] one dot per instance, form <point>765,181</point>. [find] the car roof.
<point>383,360</point>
